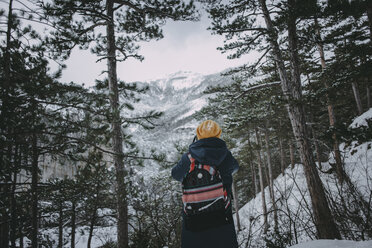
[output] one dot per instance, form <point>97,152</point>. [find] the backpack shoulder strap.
<point>192,160</point>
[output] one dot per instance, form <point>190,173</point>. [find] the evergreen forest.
<point>91,166</point>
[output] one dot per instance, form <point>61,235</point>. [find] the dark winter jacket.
<point>211,151</point>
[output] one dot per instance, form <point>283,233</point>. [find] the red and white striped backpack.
<point>205,201</point>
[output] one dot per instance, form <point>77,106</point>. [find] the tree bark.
<point>271,180</point>
<point>34,193</point>
<point>60,226</point>
<point>317,150</point>
<point>20,237</point>
<point>117,138</point>
<point>7,49</point>
<point>282,155</point>
<point>236,205</point>
<point>368,96</point>
<point>255,179</point>
<point>262,187</point>
<point>5,125</point>
<point>73,224</point>
<point>325,225</point>
<point>315,141</point>
<point>4,226</point>
<point>357,98</point>
<point>331,113</point>
<point>253,169</point>
<point>291,154</point>
<point>13,209</point>
<point>91,228</point>
<point>264,163</point>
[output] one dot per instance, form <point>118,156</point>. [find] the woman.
<point>209,149</point>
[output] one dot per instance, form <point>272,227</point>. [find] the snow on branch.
<point>258,87</point>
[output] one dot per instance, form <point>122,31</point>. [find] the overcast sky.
<point>186,46</point>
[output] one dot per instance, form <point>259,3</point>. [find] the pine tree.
<point>126,24</point>
<point>237,19</point>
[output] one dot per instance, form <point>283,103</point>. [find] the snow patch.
<point>194,106</point>
<point>334,244</point>
<point>180,80</point>
<point>362,119</point>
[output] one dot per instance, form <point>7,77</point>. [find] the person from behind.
<point>205,172</point>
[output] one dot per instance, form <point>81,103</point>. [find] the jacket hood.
<point>210,151</point>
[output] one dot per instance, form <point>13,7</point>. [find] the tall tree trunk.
<point>357,98</point>
<point>262,187</point>
<point>316,144</point>
<point>4,226</point>
<point>34,192</point>
<point>255,179</point>
<point>117,138</point>
<point>8,46</point>
<point>368,96</point>
<point>325,225</point>
<point>13,209</point>
<point>331,113</point>
<point>5,126</point>
<point>73,224</point>
<point>253,169</point>
<point>265,165</point>
<point>291,154</point>
<point>20,236</point>
<point>315,140</point>
<point>282,155</point>
<point>91,228</point>
<point>236,205</point>
<point>60,226</point>
<point>271,180</point>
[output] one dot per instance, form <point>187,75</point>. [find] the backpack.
<point>205,201</point>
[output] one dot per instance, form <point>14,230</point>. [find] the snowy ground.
<point>101,236</point>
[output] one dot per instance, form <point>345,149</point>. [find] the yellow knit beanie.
<point>208,129</point>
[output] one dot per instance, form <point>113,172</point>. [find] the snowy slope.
<point>293,197</point>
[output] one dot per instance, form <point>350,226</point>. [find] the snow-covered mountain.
<point>178,96</point>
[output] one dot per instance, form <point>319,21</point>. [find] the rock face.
<point>178,96</point>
